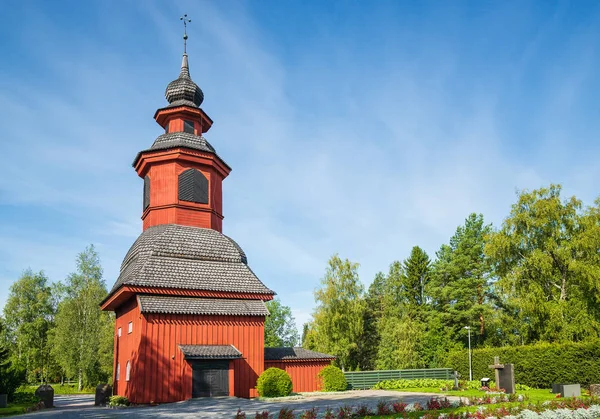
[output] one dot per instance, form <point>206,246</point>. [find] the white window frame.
<point>130,328</point>
<point>128,371</point>
<point>118,370</point>
<point>119,332</point>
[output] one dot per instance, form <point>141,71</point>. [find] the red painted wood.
<point>159,372</point>
<point>304,374</point>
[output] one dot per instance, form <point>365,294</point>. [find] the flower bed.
<point>556,409</point>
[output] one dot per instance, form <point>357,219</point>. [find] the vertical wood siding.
<point>126,346</point>
<point>160,373</point>
<point>304,373</point>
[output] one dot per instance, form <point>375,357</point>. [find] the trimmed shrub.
<point>274,382</point>
<point>118,401</point>
<point>537,366</point>
<point>333,379</point>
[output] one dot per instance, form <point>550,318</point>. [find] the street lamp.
<point>470,362</point>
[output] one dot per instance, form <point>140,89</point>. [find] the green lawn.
<point>64,389</point>
<point>14,409</point>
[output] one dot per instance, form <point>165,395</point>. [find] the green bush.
<point>537,366</point>
<point>118,401</point>
<point>427,383</point>
<point>274,382</point>
<point>333,379</point>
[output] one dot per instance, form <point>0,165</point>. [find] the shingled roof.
<point>203,306</point>
<point>191,258</point>
<point>296,353</point>
<point>210,351</point>
<point>179,139</point>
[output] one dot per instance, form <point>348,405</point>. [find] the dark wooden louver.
<point>193,187</point>
<point>146,192</point>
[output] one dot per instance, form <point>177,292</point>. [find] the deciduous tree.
<point>280,326</point>
<point>338,318</point>
<point>80,325</point>
<point>29,315</point>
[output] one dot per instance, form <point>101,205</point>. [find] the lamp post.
<point>470,362</point>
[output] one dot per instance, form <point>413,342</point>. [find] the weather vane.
<point>185,20</point>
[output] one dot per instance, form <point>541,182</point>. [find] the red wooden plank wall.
<point>159,372</point>
<point>126,346</point>
<point>303,373</point>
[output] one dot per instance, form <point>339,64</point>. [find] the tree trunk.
<point>80,378</point>
<point>563,288</point>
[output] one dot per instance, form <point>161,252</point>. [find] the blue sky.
<point>356,127</point>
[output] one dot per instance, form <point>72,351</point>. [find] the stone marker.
<point>103,393</point>
<point>570,390</point>
<point>556,388</point>
<point>455,381</point>
<point>595,390</point>
<point>46,394</point>
<point>505,376</point>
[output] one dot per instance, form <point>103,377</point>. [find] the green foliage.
<point>274,382</point>
<point>460,282</point>
<point>10,376</point>
<point>537,366</point>
<point>337,323</point>
<point>429,383</point>
<point>82,343</point>
<point>118,401</point>
<point>29,315</point>
<point>280,326</point>
<point>332,379</point>
<point>546,257</point>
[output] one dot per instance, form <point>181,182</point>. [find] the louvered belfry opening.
<point>193,186</point>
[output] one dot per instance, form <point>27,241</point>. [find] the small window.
<point>130,327</point>
<point>188,126</point>
<point>119,332</point>
<point>167,128</point>
<point>127,371</point>
<point>118,371</point>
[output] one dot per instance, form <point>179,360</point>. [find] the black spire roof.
<point>183,91</point>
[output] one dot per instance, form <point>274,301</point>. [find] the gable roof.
<point>204,306</point>
<point>210,351</point>
<point>190,258</point>
<point>295,353</point>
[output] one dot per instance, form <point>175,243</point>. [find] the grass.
<point>14,409</point>
<point>62,389</point>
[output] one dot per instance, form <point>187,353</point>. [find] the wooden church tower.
<point>189,311</point>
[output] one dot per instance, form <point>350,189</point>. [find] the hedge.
<point>537,366</point>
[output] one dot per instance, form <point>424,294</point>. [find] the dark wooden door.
<point>210,378</point>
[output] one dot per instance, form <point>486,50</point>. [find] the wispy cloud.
<point>337,146</point>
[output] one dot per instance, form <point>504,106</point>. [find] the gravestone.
<point>571,390</point>
<point>103,393</point>
<point>455,381</point>
<point>595,390</point>
<point>505,376</point>
<point>46,394</point>
<point>568,390</point>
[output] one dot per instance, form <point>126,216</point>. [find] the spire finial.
<point>185,20</point>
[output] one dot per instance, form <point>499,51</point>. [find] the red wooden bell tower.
<point>182,174</point>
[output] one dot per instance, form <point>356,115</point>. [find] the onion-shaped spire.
<point>183,91</point>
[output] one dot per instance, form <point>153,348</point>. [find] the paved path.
<point>223,407</point>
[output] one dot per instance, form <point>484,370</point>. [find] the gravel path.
<point>224,407</point>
